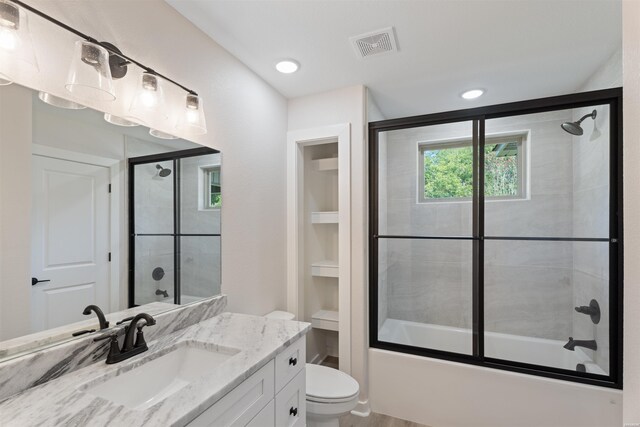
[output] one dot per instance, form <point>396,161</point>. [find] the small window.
<point>212,189</point>
<point>447,169</point>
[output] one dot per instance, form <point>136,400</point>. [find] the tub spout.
<point>572,344</point>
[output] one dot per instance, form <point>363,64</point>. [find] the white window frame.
<point>205,193</point>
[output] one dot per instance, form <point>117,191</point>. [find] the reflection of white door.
<point>69,240</point>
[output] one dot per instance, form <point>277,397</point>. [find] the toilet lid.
<point>325,383</point>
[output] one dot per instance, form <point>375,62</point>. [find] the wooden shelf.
<point>329,217</point>
<point>324,269</point>
<point>325,319</point>
<point>325,165</point>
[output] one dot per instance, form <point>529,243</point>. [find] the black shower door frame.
<point>175,157</point>
<point>478,116</point>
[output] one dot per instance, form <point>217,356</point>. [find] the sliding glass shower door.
<point>425,235</point>
<point>174,208</point>
<point>496,237</point>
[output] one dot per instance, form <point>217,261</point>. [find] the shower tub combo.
<point>534,351</point>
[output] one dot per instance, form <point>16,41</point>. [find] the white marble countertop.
<point>61,402</point>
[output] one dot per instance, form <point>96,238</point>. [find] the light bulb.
<point>149,98</point>
<point>192,116</point>
<point>8,39</point>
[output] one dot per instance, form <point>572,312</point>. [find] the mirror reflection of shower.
<point>163,172</point>
<point>575,128</point>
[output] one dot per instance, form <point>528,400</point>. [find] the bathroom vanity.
<point>232,369</point>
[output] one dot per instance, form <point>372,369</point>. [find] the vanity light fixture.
<point>472,94</point>
<point>287,66</point>
<point>192,120</point>
<point>16,47</point>
<point>90,74</point>
<point>56,101</point>
<point>118,121</point>
<point>149,98</point>
<point>161,135</point>
<point>95,64</point>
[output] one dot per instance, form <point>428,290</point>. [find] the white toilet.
<point>330,393</point>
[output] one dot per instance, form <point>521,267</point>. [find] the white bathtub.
<point>536,351</point>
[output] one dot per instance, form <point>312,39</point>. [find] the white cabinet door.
<point>290,362</point>
<point>266,417</point>
<point>291,408</point>
<point>242,404</point>
<point>70,240</point>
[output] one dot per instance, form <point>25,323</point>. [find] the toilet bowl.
<point>330,393</point>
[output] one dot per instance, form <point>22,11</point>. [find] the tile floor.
<point>376,420</point>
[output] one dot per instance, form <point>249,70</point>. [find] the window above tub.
<point>446,169</point>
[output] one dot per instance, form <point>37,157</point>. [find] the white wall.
<point>631,67</point>
<point>15,256</point>
<point>246,118</point>
<point>340,106</point>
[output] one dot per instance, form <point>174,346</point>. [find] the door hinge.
<point>109,256</point>
<point>109,188</point>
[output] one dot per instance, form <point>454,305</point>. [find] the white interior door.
<point>69,240</point>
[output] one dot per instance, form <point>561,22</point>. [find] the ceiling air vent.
<point>375,43</point>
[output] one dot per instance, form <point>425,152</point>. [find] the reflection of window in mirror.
<point>212,196</point>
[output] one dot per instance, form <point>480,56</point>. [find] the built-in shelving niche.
<point>319,241</point>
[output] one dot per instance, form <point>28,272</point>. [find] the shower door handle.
<point>35,281</point>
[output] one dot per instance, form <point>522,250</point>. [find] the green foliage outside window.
<point>215,191</point>
<point>448,172</point>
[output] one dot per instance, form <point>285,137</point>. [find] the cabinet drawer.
<point>241,404</point>
<point>291,410</point>
<point>290,362</point>
<point>266,417</point>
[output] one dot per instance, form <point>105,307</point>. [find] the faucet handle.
<point>114,348</point>
<point>126,319</point>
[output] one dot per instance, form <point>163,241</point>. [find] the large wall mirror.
<point>118,217</point>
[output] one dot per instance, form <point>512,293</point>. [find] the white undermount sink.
<point>160,377</point>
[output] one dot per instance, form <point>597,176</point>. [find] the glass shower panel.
<point>200,194</point>
<point>154,272</point>
<point>153,197</point>
<point>425,293</point>
<point>425,180</point>
<point>531,289</point>
<point>544,180</point>
<point>200,264</point>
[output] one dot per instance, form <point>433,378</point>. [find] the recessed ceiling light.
<point>472,94</point>
<point>287,66</point>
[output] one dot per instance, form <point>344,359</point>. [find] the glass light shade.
<point>89,74</point>
<point>16,47</point>
<point>56,101</point>
<point>192,120</point>
<point>118,121</point>
<point>149,99</point>
<point>161,135</point>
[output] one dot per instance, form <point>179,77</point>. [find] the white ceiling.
<point>515,49</point>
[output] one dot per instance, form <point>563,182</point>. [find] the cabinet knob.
<point>293,361</point>
<point>293,411</point>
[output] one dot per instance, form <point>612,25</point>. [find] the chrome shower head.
<point>574,128</point>
<point>162,171</point>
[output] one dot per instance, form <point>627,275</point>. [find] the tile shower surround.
<point>529,286</point>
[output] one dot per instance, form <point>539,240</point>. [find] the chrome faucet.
<point>129,348</point>
<point>572,344</point>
